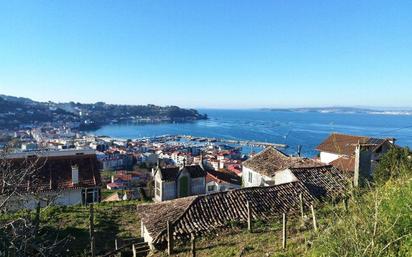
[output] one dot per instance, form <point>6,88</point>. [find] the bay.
<point>307,129</point>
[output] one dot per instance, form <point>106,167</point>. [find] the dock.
<point>250,143</point>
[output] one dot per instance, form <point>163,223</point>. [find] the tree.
<point>21,230</point>
<point>396,162</point>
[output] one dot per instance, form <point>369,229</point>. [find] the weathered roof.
<point>346,144</point>
<point>201,214</point>
<point>55,172</point>
<point>325,181</point>
<point>204,213</point>
<point>155,215</point>
<point>271,160</point>
<point>345,164</point>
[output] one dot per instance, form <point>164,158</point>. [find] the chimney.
<point>184,162</point>
<point>75,174</point>
<point>112,179</point>
<point>362,170</point>
<point>201,157</point>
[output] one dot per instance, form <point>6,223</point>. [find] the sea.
<point>293,128</point>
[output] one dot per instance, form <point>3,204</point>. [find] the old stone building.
<point>176,182</point>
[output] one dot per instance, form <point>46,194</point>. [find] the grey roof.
<point>170,174</point>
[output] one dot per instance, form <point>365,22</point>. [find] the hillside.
<point>18,112</point>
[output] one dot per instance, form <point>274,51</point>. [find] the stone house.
<point>176,182</point>
<point>339,150</point>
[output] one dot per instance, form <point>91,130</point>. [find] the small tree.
<point>396,162</point>
<point>21,231</point>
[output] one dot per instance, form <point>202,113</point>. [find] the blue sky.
<point>224,54</point>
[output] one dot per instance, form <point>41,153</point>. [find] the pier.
<point>251,143</point>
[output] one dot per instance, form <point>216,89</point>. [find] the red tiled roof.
<point>346,144</point>
<point>55,173</point>
<point>345,163</point>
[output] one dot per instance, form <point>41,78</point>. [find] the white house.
<point>271,167</point>
<point>67,177</point>
<point>339,150</point>
<point>218,181</point>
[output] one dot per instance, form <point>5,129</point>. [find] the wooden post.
<point>249,217</point>
<point>301,206</point>
<point>193,241</point>
<point>37,219</point>
<point>134,250</point>
<point>12,252</point>
<point>92,239</point>
<point>284,231</point>
<point>169,238</point>
<point>315,226</point>
<point>345,204</point>
<point>116,244</point>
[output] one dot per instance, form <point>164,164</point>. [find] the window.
<point>211,188</point>
<point>90,195</point>
<point>250,177</point>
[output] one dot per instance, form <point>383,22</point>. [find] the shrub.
<point>396,162</point>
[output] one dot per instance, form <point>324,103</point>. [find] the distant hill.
<point>17,112</point>
<point>348,110</point>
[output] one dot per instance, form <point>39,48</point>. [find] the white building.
<point>271,167</point>
<point>67,177</point>
<point>218,181</point>
<point>339,150</point>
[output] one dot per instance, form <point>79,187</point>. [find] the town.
<point>156,128</point>
<point>180,174</point>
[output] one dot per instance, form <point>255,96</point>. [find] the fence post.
<point>169,238</point>
<point>134,250</point>
<point>12,251</point>
<point>91,228</point>
<point>315,226</point>
<point>284,231</point>
<point>193,241</point>
<point>249,217</point>
<point>301,206</point>
<point>345,204</point>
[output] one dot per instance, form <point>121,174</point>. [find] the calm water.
<point>292,128</point>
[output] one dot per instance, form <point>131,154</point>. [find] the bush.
<point>378,223</point>
<point>393,164</point>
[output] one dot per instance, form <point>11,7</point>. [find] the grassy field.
<point>112,220</point>
<point>377,222</point>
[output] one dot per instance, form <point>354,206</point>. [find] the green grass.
<point>377,223</point>
<point>112,220</point>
